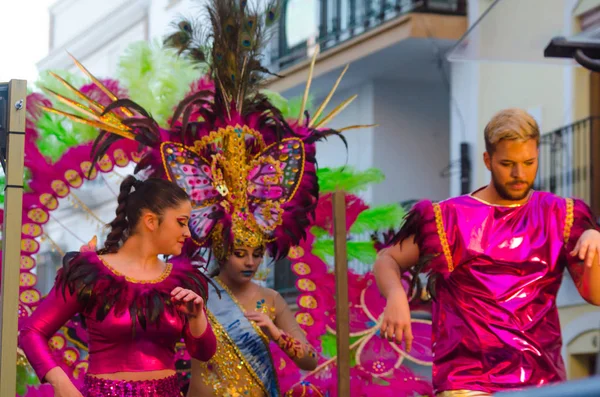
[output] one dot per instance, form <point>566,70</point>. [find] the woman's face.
<point>243,263</point>
<point>173,230</point>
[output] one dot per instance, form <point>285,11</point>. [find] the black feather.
<point>126,103</point>
<point>181,106</point>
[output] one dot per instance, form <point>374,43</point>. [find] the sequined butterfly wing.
<point>193,174</point>
<point>273,180</point>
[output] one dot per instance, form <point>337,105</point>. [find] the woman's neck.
<point>237,289</point>
<point>140,253</point>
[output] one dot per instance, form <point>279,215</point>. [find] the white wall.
<point>332,153</point>
<point>70,17</point>
<point>464,109</point>
<point>164,12</point>
<point>94,38</point>
<point>104,61</point>
<point>411,143</point>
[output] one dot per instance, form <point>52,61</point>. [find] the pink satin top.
<point>114,345</point>
<point>497,272</point>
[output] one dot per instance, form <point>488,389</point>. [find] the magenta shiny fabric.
<point>495,320</point>
<point>167,387</point>
<point>113,346</point>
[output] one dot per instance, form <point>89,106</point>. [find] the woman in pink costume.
<point>496,259</point>
<point>135,306</point>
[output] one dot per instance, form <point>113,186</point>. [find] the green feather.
<point>329,347</point>
<point>383,217</point>
<point>362,251</point>
<point>319,232</point>
<point>57,134</point>
<point>48,81</point>
<point>2,184</point>
<point>156,78</point>
<point>347,179</point>
<point>289,108</point>
<point>278,101</point>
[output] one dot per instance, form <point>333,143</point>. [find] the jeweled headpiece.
<point>249,172</point>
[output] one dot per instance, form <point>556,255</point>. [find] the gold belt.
<point>463,393</point>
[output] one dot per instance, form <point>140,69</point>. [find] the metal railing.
<point>340,20</point>
<point>565,166</point>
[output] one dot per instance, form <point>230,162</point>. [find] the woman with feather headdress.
<point>251,177</point>
<point>135,307</point>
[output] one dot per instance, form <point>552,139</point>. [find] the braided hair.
<point>153,194</point>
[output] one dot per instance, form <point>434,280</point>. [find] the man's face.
<point>513,165</point>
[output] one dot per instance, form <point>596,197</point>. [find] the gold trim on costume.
<point>157,280</point>
<point>259,331</point>
<point>220,331</point>
<point>568,220</point>
<point>439,222</point>
<point>463,393</point>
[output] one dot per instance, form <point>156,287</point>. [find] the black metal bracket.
<point>464,165</point>
<point>586,53</point>
<point>4,110</point>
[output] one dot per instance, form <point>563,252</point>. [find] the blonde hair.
<point>510,124</point>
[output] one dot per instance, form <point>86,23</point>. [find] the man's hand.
<point>396,319</point>
<point>587,247</point>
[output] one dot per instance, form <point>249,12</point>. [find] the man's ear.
<point>487,160</point>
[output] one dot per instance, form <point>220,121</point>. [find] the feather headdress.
<point>250,172</point>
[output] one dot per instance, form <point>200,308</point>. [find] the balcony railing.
<point>332,22</point>
<point>565,163</point>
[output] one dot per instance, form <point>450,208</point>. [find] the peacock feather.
<point>232,46</point>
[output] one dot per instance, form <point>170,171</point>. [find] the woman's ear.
<point>150,220</point>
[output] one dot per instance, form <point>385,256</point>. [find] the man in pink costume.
<point>495,260</point>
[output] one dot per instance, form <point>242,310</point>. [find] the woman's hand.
<point>192,305</point>
<point>187,301</point>
<point>62,385</point>
<point>265,323</point>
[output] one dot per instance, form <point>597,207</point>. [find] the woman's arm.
<point>291,338</point>
<point>199,337</point>
<point>54,311</point>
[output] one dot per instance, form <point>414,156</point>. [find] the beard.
<point>506,194</point>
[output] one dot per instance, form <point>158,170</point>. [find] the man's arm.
<point>388,269</point>
<point>392,262</point>
<point>586,272</point>
<point>583,249</point>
